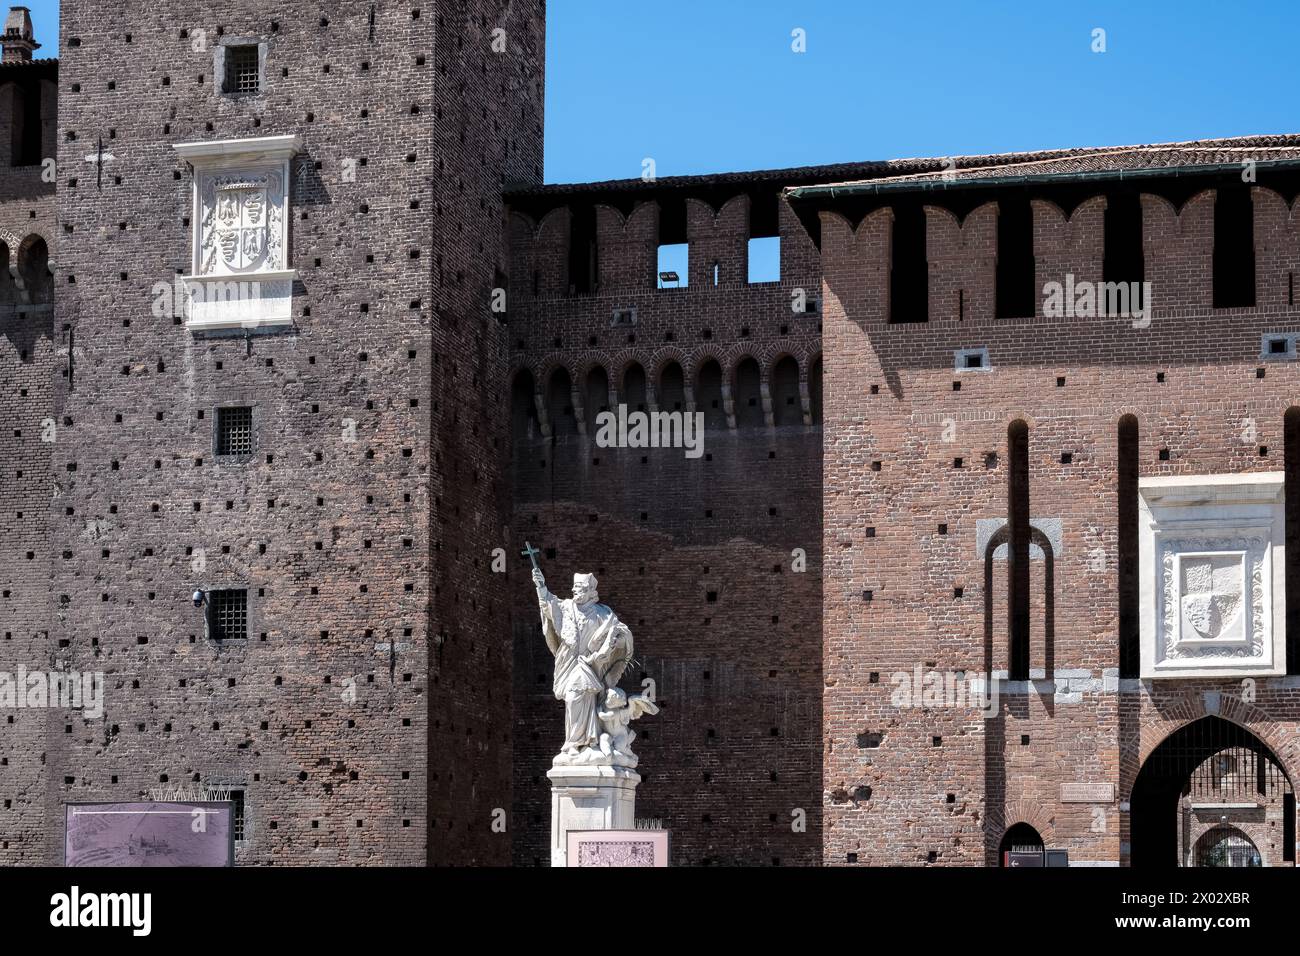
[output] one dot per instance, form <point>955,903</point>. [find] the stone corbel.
<point>805,402</point>
<point>690,400</point>
<point>20,285</point>
<point>543,419</point>
<point>765,396</point>
<point>729,405</point>
<point>579,413</point>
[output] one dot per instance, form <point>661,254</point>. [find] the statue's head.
<point>584,588</point>
<point>615,698</point>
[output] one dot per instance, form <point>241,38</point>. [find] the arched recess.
<point>1291,498</point>
<point>1127,455</point>
<point>8,292</point>
<point>596,393</point>
<point>815,389</point>
<point>1019,838</point>
<point>34,270</point>
<point>1226,846</point>
<point>633,392</point>
<point>787,409</point>
<point>1018,570</point>
<point>708,394</point>
<point>748,391</point>
<point>559,403</point>
<point>523,409</point>
<point>999,818</point>
<point>1047,652</point>
<point>672,388</point>
<point>1210,770</point>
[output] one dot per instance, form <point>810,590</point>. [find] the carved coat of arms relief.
<point>242,223</point>
<point>1212,557</point>
<point>242,276</point>
<point>1214,603</point>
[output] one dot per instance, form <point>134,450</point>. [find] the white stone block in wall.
<point>1211,557</point>
<point>242,275</point>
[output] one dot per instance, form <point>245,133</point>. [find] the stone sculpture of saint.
<point>592,648</point>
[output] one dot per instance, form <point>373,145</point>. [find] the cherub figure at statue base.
<point>616,736</point>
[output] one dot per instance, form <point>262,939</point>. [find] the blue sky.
<point>45,20</point>
<point>713,85</point>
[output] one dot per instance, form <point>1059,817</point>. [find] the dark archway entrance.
<point>1208,774</point>
<point>1019,838</point>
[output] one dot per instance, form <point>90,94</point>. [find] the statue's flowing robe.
<point>572,632</point>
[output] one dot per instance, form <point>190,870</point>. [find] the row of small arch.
<point>556,398</point>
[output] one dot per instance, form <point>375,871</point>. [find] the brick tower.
<point>326,472</point>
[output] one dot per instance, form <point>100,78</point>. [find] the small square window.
<point>228,615</point>
<point>243,74</point>
<point>234,431</point>
<point>1278,346</point>
<point>971,360</point>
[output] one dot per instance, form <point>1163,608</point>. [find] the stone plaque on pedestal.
<point>589,798</point>
<point>622,848</point>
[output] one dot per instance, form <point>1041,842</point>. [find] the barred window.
<point>242,72</point>
<point>235,431</point>
<point>228,615</point>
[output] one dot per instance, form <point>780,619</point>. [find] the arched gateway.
<point>1212,794</point>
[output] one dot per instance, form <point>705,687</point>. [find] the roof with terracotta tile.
<point>52,61</point>
<point>1207,153</point>
<point>1076,161</point>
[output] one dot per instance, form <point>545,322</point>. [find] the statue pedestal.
<point>590,798</point>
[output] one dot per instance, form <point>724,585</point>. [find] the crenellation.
<point>627,248</point>
<point>1277,249</point>
<point>1068,244</point>
<point>718,239</point>
<point>895,466</point>
<point>962,254</point>
<point>1178,245</point>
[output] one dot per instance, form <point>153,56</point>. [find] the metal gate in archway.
<point>1210,763</point>
<point>1226,846</point>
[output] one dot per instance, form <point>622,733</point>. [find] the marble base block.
<point>590,798</point>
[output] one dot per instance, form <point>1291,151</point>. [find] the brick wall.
<point>408,435</point>
<point>488,137</point>
<point>30,367</point>
<point>943,782</point>
<point>359,690</point>
<point>695,555</point>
